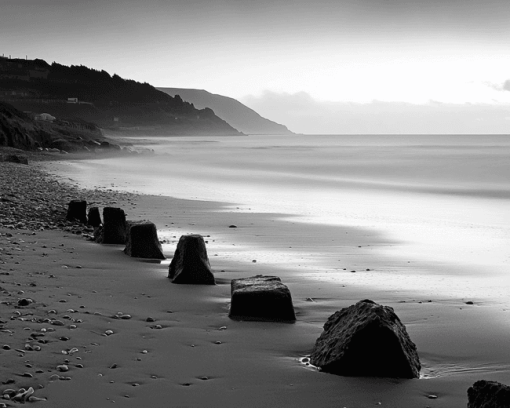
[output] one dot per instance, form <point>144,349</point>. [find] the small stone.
<point>6,347</point>
<point>108,332</point>
<point>150,319</point>
<point>63,368</point>
<point>432,396</point>
<point>24,302</point>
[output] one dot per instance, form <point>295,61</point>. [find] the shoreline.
<point>256,364</point>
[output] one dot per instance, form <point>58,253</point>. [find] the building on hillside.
<point>45,117</point>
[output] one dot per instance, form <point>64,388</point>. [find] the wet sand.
<point>192,354</point>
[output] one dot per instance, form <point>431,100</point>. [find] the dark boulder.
<point>366,339</point>
<point>142,241</point>
<point>261,298</point>
<point>488,394</point>
<point>77,210</point>
<point>94,217</point>
<point>190,263</point>
<point>114,226</point>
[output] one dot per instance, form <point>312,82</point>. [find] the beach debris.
<point>94,217</point>
<point>114,226</point>
<point>488,394</point>
<point>21,395</point>
<point>25,302</point>
<point>366,339</point>
<point>77,210</point>
<point>190,264</point>
<point>261,298</point>
<point>142,241</point>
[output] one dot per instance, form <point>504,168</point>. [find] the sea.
<point>441,200</point>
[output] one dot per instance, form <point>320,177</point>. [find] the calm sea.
<point>442,198</point>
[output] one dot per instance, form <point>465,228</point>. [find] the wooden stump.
<point>190,263</point>
<point>77,211</point>
<point>260,297</point>
<point>114,226</point>
<point>142,241</point>
<point>94,218</point>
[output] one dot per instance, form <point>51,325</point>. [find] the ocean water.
<point>442,200</point>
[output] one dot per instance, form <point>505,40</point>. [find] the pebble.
<point>63,368</point>
<point>24,302</point>
<point>108,332</point>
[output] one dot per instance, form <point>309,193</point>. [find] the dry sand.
<point>191,354</point>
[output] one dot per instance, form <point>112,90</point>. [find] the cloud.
<point>506,85</point>
<point>302,113</point>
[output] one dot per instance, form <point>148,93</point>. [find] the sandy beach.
<point>177,347</point>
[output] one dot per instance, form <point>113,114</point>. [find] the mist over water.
<point>441,199</point>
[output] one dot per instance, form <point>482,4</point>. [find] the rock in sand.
<point>488,394</point>
<point>366,339</point>
<point>261,298</point>
<point>114,226</point>
<point>77,210</point>
<point>94,217</point>
<point>142,241</point>
<point>190,263</point>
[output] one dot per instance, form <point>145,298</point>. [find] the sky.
<point>322,66</point>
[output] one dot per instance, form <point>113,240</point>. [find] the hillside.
<point>234,112</point>
<point>111,102</point>
<point>23,131</point>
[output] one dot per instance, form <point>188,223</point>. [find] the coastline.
<point>256,364</point>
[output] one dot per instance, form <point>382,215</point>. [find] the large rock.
<point>77,210</point>
<point>261,298</point>
<point>114,226</point>
<point>366,339</point>
<point>190,263</point>
<point>94,217</point>
<point>142,241</point>
<point>488,394</point>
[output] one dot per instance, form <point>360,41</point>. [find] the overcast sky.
<point>334,56</point>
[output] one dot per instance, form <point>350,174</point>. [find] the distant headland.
<point>81,94</point>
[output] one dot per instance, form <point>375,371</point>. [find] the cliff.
<point>234,112</point>
<point>111,102</point>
